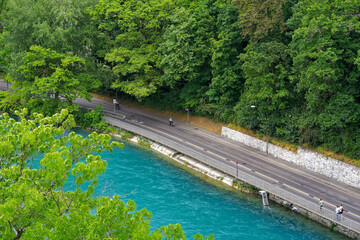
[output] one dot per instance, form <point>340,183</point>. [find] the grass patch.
<point>244,187</point>
<point>220,178</point>
<point>127,135</point>
<point>241,129</point>
<point>332,227</point>
<point>144,143</point>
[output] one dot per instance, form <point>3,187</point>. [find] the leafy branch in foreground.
<point>48,177</point>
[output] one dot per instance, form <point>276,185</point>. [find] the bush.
<point>127,135</point>
<point>143,142</point>
<point>93,119</point>
<point>9,102</point>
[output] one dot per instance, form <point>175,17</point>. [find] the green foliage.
<point>143,142</point>
<point>134,32</point>
<point>93,119</point>
<point>266,67</point>
<point>186,52</point>
<point>200,237</point>
<point>3,5</point>
<point>3,8</point>
<point>227,80</point>
<point>63,26</point>
<point>324,48</point>
<point>36,202</point>
<point>4,54</point>
<point>9,102</point>
<point>258,17</point>
<point>332,226</point>
<point>46,76</point>
<point>244,187</point>
<point>127,135</point>
<point>200,64</point>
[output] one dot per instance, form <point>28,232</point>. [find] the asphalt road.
<point>292,178</point>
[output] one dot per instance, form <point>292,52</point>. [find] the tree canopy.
<point>297,61</point>
<point>325,52</point>
<point>46,76</point>
<point>133,29</point>
<point>258,17</point>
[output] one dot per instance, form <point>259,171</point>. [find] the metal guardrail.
<point>243,176</point>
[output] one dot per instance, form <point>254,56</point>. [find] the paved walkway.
<point>289,178</point>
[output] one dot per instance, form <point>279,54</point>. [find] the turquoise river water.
<point>173,195</point>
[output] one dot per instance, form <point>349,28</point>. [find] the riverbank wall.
<point>228,177</point>
<point>313,161</point>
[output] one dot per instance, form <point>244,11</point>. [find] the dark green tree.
<point>3,50</point>
<point>324,49</point>
<point>186,53</point>
<point>200,48</point>
<point>60,25</point>
<point>227,76</point>
<point>267,67</point>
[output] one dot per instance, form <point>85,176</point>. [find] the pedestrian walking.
<point>321,204</point>
<point>337,211</point>
<point>114,102</point>
<point>341,210</point>
<point>170,121</point>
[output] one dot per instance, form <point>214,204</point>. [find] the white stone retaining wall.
<point>189,162</point>
<point>311,160</point>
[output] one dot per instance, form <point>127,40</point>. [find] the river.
<point>174,195</point>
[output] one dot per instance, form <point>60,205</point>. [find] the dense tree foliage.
<point>46,76</point>
<point>60,25</point>
<point>133,29</point>
<point>325,56</point>
<point>296,61</point>
<point>200,51</point>
<point>258,17</point>
<point>3,8</point>
<point>268,90</point>
<point>48,177</point>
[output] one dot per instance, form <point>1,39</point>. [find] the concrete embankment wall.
<point>310,160</point>
<point>188,161</point>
